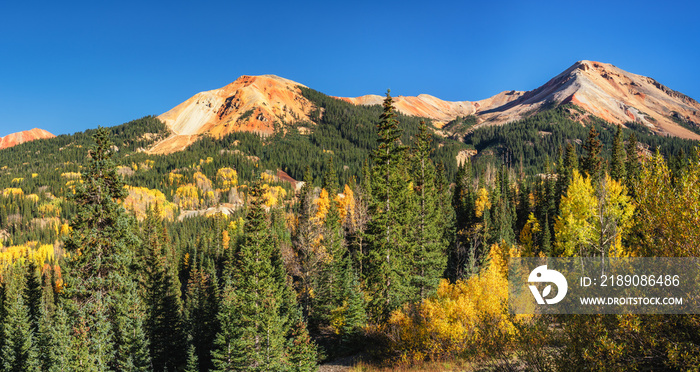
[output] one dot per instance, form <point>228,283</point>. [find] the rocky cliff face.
<point>24,136</point>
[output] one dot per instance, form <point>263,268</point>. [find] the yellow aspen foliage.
<point>208,160</point>
<point>141,198</point>
<point>593,222</point>
<point>35,175</point>
<point>574,229</point>
<point>71,175</point>
<point>267,177</point>
<point>147,164</point>
<point>227,178</point>
<point>17,180</point>
<point>482,202</point>
<point>202,182</point>
<point>211,197</point>
<point>668,209</point>
<point>175,179</point>
<point>187,196</point>
<point>273,194</point>
<point>65,230</point>
<point>33,197</point>
<point>51,208</point>
<point>323,203</point>
<point>459,317</point>
<point>615,212</point>
<point>12,191</point>
<point>527,236</point>
<point>346,203</point>
<point>40,253</point>
<point>225,239</point>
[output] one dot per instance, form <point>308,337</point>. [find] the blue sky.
<point>69,66</point>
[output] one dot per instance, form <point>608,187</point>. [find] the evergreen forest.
<point>382,249</point>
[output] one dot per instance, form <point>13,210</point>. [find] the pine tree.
<point>300,351</point>
<point>617,164</point>
<point>201,308</point>
<point>355,316</point>
<point>329,286</point>
<point>161,294</point>
<point>102,245</point>
<point>633,169</point>
<point>252,333</point>
<point>192,362</point>
<point>463,203</point>
<point>306,240</point>
<point>592,163</point>
<point>429,256</point>
<point>19,351</point>
<point>391,211</point>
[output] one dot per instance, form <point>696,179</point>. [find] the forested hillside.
<point>209,259</point>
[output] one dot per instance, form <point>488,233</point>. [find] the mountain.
<point>249,104</point>
<point>610,93</point>
<point>600,89</point>
<point>24,136</point>
<point>256,103</point>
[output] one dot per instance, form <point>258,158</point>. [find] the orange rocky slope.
<point>249,104</point>
<point>255,103</point>
<point>610,93</point>
<point>434,108</point>
<point>24,136</point>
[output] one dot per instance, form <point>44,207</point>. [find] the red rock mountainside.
<point>601,89</point>
<point>434,108</point>
<point>250,104</point>
<point>15,139</point>
<point>255,103</point>
<point>610,93</point>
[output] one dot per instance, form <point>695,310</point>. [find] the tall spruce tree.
<point>617,163</point>
<point>257,301</point>
<point>632,166</point>
<point>161,294</point>
<point>19,349</point>
<point>429,257</point>
<point>306,240</point>
<point>390,241</point>
<point>329,288</point>
<point>463,204</point>
<point>592,162</point>
<point>98,280</point>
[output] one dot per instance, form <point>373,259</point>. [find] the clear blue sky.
<point>69,66</point>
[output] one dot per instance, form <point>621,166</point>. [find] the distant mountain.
<point>257,103</point>
<point>434,108</point>
<point>610,93</point>
<point>249,104</point>
<point>15,139</point>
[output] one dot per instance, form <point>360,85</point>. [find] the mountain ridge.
<point>256,103</point>
<point>14,139</point>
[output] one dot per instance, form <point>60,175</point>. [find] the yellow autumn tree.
<point>668,210</point>
<point>187,196</point>
<point>227,178</point>
<point>346,203</point>
<point>527,236</point>
<point>574,229</point>
<point>465,316</point>
<point>592,222</point>
<point>323,203</point>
